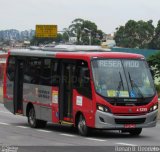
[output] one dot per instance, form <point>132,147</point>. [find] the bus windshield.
<point>122,78</point>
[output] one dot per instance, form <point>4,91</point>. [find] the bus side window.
<point>32,71</point>
<point>45,76</point>
<point>55,74</point>
<point>83,84</point>
<point>11,68</point>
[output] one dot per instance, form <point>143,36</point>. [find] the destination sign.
<point>118,63</point>
<point>109,63</point>
<point>131,64</point>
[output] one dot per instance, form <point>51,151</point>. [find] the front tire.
<point>33,122</point>
<point>82,127</point>
<point>135,132</point>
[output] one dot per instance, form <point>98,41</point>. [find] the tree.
<point>66,35</point>
<point>76,29</point>
<point>83,30</point>
<point>155,43</point>
<point>88,28</point>
<point>154,62</point>
<point>135,34</point>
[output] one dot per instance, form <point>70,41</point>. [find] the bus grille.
<point>130,121</point>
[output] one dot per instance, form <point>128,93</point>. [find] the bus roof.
<point>73,55</point>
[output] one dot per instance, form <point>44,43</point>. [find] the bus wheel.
<point>33,122</point>
<point>135,132</point>
<point>82,128</point>
<point>32,118</point>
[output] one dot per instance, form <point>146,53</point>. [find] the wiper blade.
<point>120,85</point>
<point>134,85</point>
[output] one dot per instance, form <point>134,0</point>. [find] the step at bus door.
<point>18,87</point>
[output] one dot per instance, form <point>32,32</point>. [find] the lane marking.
<point>43,130</point>
<point>22,127</point>
<point>126,144</point>
<point>94,139</point>
<point>2,123</point>
<point>68,135</point>
<point>5,112</point>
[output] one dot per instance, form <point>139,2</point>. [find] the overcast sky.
<point>107,14</point>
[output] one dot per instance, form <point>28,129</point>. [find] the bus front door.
<point>18,87</point>
<point>66,89</point>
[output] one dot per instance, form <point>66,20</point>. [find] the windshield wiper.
<point>134,85</point>
<point>120,85</point>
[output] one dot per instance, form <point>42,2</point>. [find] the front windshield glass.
<point>122,78</point>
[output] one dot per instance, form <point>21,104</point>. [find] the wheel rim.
<point>82,125</point>
<point>32,117</point>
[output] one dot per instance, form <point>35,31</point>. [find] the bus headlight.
<point>154,107</point>
<point>103,108</point>
<point>100,108</point>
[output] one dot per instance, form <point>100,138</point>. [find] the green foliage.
<point>154,62</point>
<point>135,34</point>
<point>155,43</point>
<point>82,29</point>
<point>65,35</point>
<point>158,89</point>
<point>76,29</point>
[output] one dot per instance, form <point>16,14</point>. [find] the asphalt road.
<point>14,130</point>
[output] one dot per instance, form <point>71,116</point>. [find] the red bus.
<point>85,88</point>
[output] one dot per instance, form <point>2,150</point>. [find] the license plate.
<point>129,126</point>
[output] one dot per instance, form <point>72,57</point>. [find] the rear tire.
<point>135,132</point>
<point>82,127</point>
<point>33,122</point>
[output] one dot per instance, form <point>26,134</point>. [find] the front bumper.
<point>105,120</point>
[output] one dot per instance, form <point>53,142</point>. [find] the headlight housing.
<point>103,108</point>
<point>153,108</point>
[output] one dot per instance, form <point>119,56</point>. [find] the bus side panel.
<point>8,95</point>
<point>40,97</point>
<point>85,106</point>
